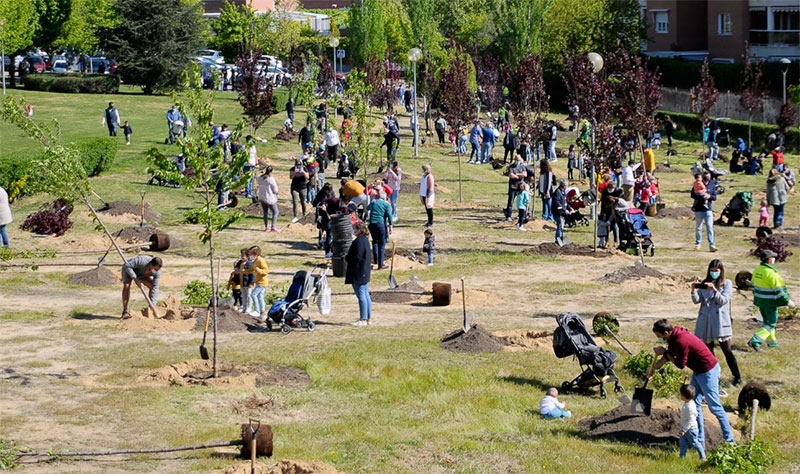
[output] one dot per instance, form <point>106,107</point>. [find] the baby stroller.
<point>175,131</point>
<point>737,209</point>
<point>576,201</point>
<point>305,286</point>
<point>634,235</point>
<point>571,338</point>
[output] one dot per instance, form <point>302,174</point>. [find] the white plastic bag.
<point>324,301</point>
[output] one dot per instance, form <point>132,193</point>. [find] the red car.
<point>36,64</point>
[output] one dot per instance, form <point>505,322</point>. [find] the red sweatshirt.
<point>687,350</point>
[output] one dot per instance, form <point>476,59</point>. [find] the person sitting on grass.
<point>550,407</point>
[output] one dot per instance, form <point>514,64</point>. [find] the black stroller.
<point>305,286</point>
<point>572,338</point>
<point>634,234</point>
<point>738,209</point>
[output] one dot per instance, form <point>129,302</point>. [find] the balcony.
<point>775,38</point>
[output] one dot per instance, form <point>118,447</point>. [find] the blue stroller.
<point>305,286</point>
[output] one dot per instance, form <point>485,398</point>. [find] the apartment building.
<point>719,28</point>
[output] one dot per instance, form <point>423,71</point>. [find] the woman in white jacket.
<point>714,323</point>
<point>5,217</point>
<point>268,197</point>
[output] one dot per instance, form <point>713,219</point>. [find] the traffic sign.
<point>340,54</point>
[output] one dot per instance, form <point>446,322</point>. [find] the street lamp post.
<point>3,55</point>
<point>334,42</point>
<point>786,64</point>
<point>597,66</point>
<point>414,55</point>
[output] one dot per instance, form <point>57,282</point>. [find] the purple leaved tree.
<point>753,89</point>
<point>487,71</point>
<point>529,101</point>
<point>704,96</point>
<point>255,92</point>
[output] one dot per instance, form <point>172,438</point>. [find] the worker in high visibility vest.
<point>769,294</point>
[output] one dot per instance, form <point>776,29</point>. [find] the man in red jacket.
<point>684,349</point>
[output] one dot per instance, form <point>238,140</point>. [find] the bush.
<point>197,293</point>
<point>50,219</point>
<point>97,154</point>
<point>753,458</point>
<point>73,83</point>
<point>689,129</point>
<point>667,380</point>
<point>15,173</point>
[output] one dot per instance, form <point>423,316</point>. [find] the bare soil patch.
<point>660,428</point>
<point>676,213</point>
<point>660,168</point>
<point>118,208</point>
<point>552,248</point>
<point>199,372</point>
<point>253,403</point>
<point>405,293</point>
<point>283,467</point>
<point>524,340</point>
<point>634,272</point>
<point>476,339</point>
<point>172,316</point>
<point>228,320</point>
<point>135,234</point>
<point>98,276</point>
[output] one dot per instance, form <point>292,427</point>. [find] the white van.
<point>270,61</point>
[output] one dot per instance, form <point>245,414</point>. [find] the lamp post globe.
<point>414,55</point>
<point>334,42</point>
<point>597,66</point>
<point>785,63</point>
<point>597,62</point>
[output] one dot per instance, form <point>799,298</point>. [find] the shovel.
<point>643,397</point>
<point>392,282</point>
<point>203,348</point>
<point>464,326</point>
<point>105,204</point>
<point>141,222</point>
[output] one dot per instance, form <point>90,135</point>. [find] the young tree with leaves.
<point>529,100</point>
<point>211,172</point>
<point>362,140</point>
<point>255,92</point>
<point>15,31</point>
<point>705,95</point>
<point>753,89</point>
<point>487,73</point>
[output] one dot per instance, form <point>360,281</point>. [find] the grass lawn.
<point>383,399</point>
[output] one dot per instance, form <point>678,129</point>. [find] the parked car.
<point>98,64</point>
<point>213,55</point>
<point>35,64</point>
<point>60,65</point>
<point>278,75</point>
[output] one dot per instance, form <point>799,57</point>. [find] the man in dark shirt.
<point>684,349</point>
<point>304,137</point>
<point>517,173</point>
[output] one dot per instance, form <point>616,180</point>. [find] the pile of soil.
<point>136,234</point>
<point>117,208</point>
<point>477,297</point>
<point>660,168</point>
<point>287,136</point>
<point>172,316</point>
<point>198,372</point>
<point>634,272</point>
<point>524,340</point>
<point>98,276</point>
<point>283,467</point>
<point>552,248</point>
<point>661,427</point>
<point>228,320</point>
<point>681,212</point>
<point>476,339</point>
<point>405,293</point>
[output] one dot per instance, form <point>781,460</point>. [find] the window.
<point>724,24</point>
<point>662,22</point>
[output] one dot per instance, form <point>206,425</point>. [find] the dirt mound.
<point>524,340</point>
<point>199,372</point>
<point>286,135</point>
<point>661,427</point>
<point>99,276</point>
<point>789,239</point>
<point>228,320</point>
<point>254,403</point>
<point>552,248</point>
<point>283,467</point>
<point>406,293</point>
<point>476,339</point>
<point>634,272</point>
<point>117,208</point>
<point>676,213</point>
<point>135,234</point>
<point>660,168</point>
<point>477,297</point>
<point>172,316</point>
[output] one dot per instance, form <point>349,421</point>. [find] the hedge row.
<point>73,83</point>
<point>18,177</point>
<point>727,77</point>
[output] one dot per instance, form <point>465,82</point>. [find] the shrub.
<point>667,380</point>
<point>73,83</point>
<point>753,458</point>
<point>774,244</point>
<point>689,128</point>
<point>603,319</point>
<point>197,293</point>
<point>97,155</point>
<point>15,173</point>
<point>50,219</point>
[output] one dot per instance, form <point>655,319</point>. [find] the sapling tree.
<point>255,93</point>
<point>211,172</point>
<point>529,101</point>
<point>362,141</point>
<point>325,78</point>
<point>704,95</point>
<point>379,83</point>
<point>753,89</point>
<point>487,69</point>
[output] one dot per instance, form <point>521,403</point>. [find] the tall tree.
<point>424,25</point>
<point>468,22</point>
<point>367,31</point>
<point>753,89</point>
<point>457,99</point>
<point>487,73</point>
<point>255,93</point>
<point>86,19</point>
<point>233,26</point>
<point>52,15</point>
<point>519,24</point>
<point>155,41</point>
<point>15,31</point>
<point>704,95</point>
<point>529,101</point>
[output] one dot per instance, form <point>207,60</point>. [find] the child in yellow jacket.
<point>260,270</point>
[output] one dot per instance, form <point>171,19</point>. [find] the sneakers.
<point>754,347</point>
<point>262,318</point>
<point>736,382</point>
<point>712,249</point>
<point>329,255</point>
<point>360,322</point>
<point>722,393</point>
<point>126,315</point>
<point>522,228</point>
<point>567,414</point>
<point>274,229</point>
<point>295,219</point>
<point>509,219</point>
<point>697,247</point>
<point>430,264</point>
<point>267,229</point>
<point>772,344</point>
<point>254,314</point>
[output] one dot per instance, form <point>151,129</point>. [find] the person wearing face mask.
<point>714,322</point>
<point>769,293</point>
<point>684,349</point>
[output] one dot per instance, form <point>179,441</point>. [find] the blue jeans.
<point>248,171</point>
<point>4,236</point>
<point>557,413</point>
<point>364,301</point>
<point>475,151</point>
<point>486,152</point>
<point>690,440</point>
<point>393,201</point>
<point>707,386</point>
<point>430,257</point>
<point>547,210</point>
<point>707,218</point>
<point>378,233</point>
<point>257,296</point>
<point>777,214</point>
<point>559,226</point>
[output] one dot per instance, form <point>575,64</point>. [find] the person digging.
<point>769,293</point>
<point>143,270</point>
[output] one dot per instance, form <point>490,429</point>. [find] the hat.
<point>767,254</point>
